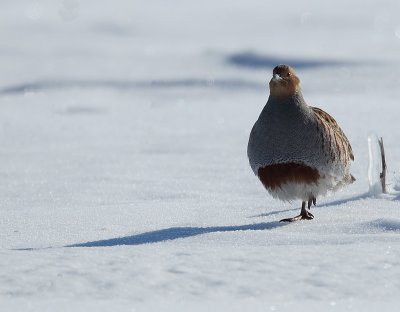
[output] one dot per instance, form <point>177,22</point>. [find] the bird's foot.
<point>304,215</point>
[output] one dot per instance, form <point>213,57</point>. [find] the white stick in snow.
<point>376,177</point>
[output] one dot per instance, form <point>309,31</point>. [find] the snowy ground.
<point>124,178</point>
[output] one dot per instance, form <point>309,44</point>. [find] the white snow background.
<point>124,180</point>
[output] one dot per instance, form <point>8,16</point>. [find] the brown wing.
<point>342,143</point>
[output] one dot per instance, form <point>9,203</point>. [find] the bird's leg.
<point>304,214</point>
<point>311,201</point>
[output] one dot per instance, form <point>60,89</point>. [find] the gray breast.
<point>286,131</point>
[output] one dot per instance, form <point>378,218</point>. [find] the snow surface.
<point>125,184</point>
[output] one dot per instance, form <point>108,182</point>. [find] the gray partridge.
<point>297,151</point>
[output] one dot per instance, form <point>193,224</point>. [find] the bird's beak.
<point>276,77</point>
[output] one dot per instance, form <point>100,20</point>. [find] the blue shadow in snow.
<point>347,200</point>
<point>385,225</point>
<point>176,233</point>
<point>256,61</point>
<point>329,204</point>
<point>126,85</point>
<point>272,213</point>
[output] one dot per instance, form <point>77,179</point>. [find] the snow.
<point>125,183</point>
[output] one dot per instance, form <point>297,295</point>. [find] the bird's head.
<point>284,81</point>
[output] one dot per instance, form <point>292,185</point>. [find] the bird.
<point>297,151</point>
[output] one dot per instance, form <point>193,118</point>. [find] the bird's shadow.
<point>272,213</point>
<point>176,233</point>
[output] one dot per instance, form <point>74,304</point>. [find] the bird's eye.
<point>288,74</point>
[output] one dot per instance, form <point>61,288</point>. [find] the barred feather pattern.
<point>333,140</point>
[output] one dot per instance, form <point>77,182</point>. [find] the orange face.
<point>284,81</point>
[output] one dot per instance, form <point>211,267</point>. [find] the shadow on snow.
<point>176,233</point>
<point>255,61</point>
<point>241,59</point>
<point>366,195</point>
<point>328,204</point>
<point>275,212</point>
<point>126,85</point>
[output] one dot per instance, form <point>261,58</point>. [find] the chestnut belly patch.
<point>273,176</point>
